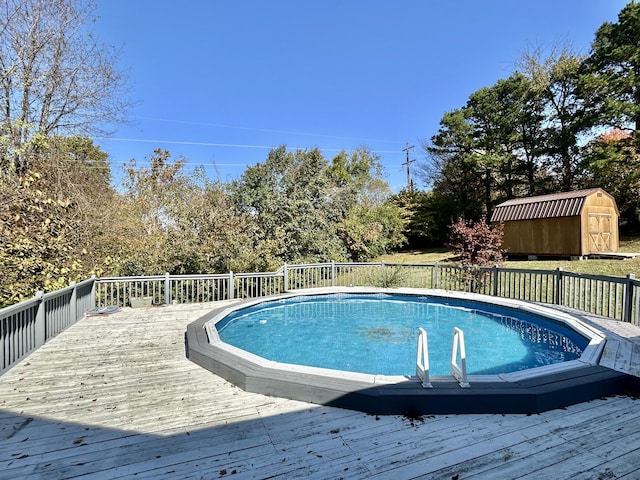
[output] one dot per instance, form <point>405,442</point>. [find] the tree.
<point>209,236</point>
<point>370,231</point>
<point>512,115</point>
<point>418,215</point>
<point>56,219</point>
<point>307,209</point>
<point>288,197</point>
<point>175,222</point>
<point>76,169</point>
<point>55,78</point>
<point>611,78</point>
<point>613,163</point>
<point>612,71</point>
<point>37,251</point>
<point>507,121</point>
<point>454,172</point>
<point>143,246</point>
<point>520,136</point>
<point>476,243</point>
<point>371,223</point>
<point>565,119</point>
<point>356,177</point>
<point>556,75</point>
<point>489,149</point>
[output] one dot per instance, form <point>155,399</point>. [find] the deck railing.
<point>167,289</point>
<point>27,325</point>
<point>612,297</point>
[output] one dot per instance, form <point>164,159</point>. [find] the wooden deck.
<point>114,397</point>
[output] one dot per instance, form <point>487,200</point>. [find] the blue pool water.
<point>377,334</point>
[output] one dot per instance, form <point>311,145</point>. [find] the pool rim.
<point>590,355</point>
<point>327,386</point>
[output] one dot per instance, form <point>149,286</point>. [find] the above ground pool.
<point>377,334</point>
<point>359,348</point>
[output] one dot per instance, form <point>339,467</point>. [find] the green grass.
<point>630,245</point>
<point>615,268</point>
<point>418,256</point>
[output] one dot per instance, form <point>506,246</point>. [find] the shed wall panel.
<point>545,236</point>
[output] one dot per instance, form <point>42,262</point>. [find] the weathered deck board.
<point>544,454</point>
<point>114,397</point>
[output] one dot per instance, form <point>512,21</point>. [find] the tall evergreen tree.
<point>612,71</point>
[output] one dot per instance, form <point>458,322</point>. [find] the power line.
<point>224,145</point>
<point>266,130</point>
<point>180,142</point>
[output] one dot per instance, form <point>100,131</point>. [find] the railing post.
<point>93,291</point>
<point>495,280</point>
<point>628,299</point>
<point>383,280</point>
<point>41,324</point>
<point>436,277</point>
<point>333,273</point>
<point>285,271</point>
<point>557,300</point>
<point>73,303</point>
<point>167,288</point>
<point>231,286</point>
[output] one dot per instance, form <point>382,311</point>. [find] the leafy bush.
<point>477,244</point>
<point>37,251</point>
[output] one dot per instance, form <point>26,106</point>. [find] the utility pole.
<point>407,164</point>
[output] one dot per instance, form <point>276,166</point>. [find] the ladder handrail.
<point>459,372</point>
<point>422,359</point>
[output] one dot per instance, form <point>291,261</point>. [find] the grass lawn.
<point>616,268</point>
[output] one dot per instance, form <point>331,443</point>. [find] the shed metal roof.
<point>566,204</point>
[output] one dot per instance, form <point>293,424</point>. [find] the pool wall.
<point>532,391</point>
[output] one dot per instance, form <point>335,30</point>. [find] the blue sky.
<point>222,82</point>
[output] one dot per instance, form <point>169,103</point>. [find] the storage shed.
<point>562,224</point>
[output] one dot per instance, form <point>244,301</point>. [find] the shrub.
<point>477,244</point>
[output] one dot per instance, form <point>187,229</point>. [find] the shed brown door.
<point>599,232</point>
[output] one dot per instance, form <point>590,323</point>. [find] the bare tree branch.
<point>55,78</point>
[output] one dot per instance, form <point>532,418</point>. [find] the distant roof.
<point>566,204</point>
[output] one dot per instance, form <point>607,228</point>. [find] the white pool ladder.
<point>422,360</point>
<point>459,372</point>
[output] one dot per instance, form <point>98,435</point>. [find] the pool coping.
<point>531,391</point>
